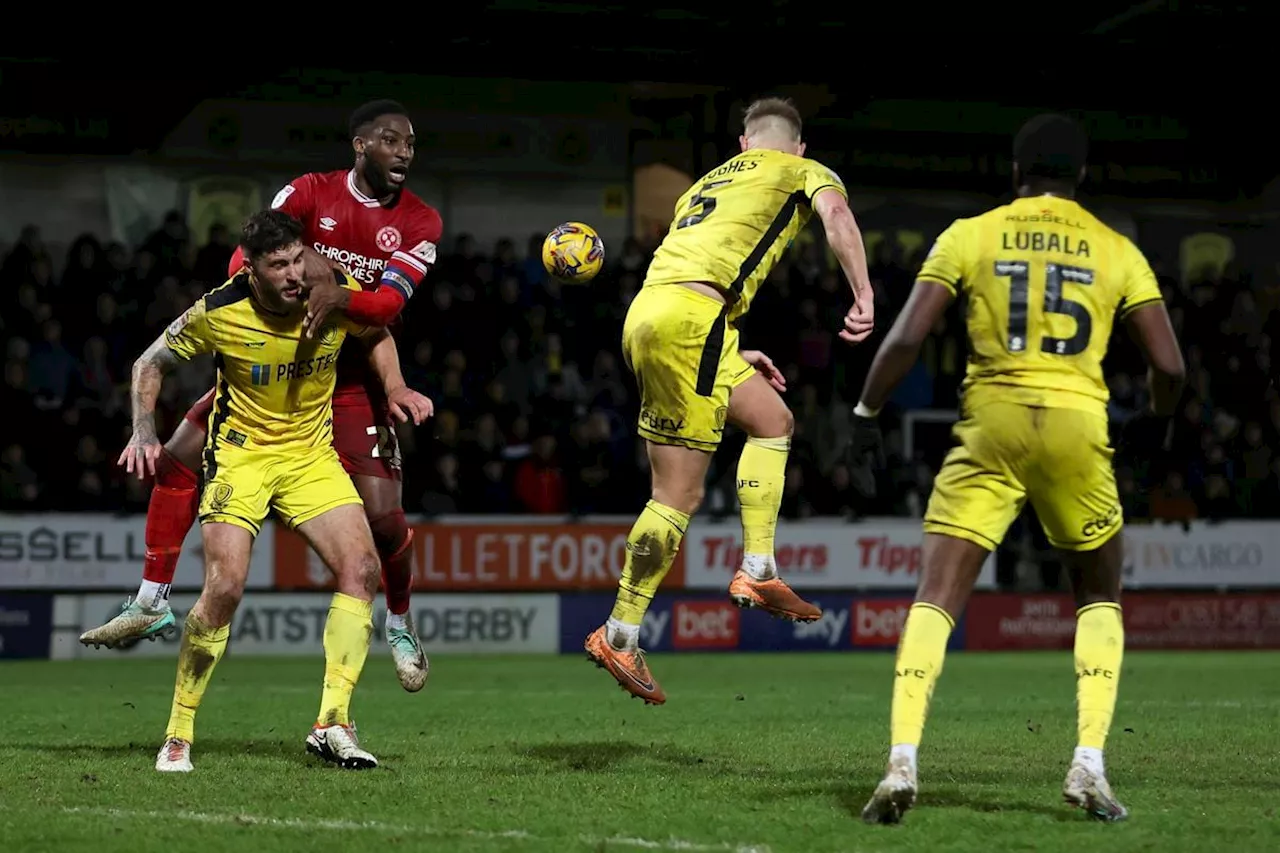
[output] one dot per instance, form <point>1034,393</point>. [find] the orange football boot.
<point>773,597</point>
<point>627,667</point>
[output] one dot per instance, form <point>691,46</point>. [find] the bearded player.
<point>680,339</point>
<point>385,237</point>
<point>1044,280</point>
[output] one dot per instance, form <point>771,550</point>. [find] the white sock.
<point>152,595</point>
<point>903,752</point>
<point>622,636</point>
<point>760,566</point>
<point>1090,758</point>
<point>397,620</point>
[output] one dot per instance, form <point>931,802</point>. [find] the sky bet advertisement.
<point>710,622</point>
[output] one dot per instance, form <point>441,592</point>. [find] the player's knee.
<point>684,497</point>
<point>185,445</point>
<point>773,422</point>
<point>222,590</point>
<point>390,532</point>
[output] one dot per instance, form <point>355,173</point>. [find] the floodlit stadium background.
<point>121,202</point>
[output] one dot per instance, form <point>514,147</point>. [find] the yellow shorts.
<point>247,484</point>
<point>1008,452</point>
<point>686,362</point>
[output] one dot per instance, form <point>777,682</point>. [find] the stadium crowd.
<point>535,409</point>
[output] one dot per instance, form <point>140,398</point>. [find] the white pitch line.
<point>312,824</point>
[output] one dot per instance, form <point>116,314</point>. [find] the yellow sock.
<point>347,632</point>
<point>762,470</point>
<point>199,653</point>
<point>919,663</point>
<point>1099,653</point>
<point>651,549</point>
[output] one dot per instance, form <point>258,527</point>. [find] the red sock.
<point>394,538</point>
<point>174,502</point>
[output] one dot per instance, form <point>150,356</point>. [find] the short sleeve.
<point>297,197</point>
<point>190,335</point>
<point>944,264</point>
<point>1140,284</point>
<point>818,177</point>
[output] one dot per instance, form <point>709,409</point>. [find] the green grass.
<point>774,752</point>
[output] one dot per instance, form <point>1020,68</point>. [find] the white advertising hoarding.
<point>70,551</point>
<point>882,553</point>
<point>293,624</point>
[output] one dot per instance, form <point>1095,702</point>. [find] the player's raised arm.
<point>845,239</point>
<point>384,359</point>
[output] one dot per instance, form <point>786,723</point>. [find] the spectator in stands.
<point>534,410</point>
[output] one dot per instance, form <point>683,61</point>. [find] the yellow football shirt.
<point>274,387</point>
<point>1044,280</point>
<point>734,223</point>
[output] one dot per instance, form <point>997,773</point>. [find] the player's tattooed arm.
<point>144,447</point>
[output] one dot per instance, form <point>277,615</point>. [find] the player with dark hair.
<point>270,448</point>
<point>1044,280</point>
<point>680,339</point>
<point>364,220</point>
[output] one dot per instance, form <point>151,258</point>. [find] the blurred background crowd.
<point>535,411</point>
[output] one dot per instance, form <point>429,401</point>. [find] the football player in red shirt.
<point>385,236</point>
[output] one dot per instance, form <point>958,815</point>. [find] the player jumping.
<point>385,236</point>
<point>270,448</point>
<point>680,339</point>
<point>1044,280</point>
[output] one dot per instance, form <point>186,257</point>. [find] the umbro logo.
<point>328,223</point>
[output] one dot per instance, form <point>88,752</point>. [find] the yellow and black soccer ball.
<point>573,252</point>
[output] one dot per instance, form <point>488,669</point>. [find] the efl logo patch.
<point>282,197</point>
<point>425,252</point>
<point>388,238</point>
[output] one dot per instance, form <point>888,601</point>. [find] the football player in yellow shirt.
<point>1044,280</point>
<point>270,448</point>
<point>680,340</point>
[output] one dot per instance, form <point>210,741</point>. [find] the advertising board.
<point>293,623</point>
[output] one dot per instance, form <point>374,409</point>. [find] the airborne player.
<point>364,219</point>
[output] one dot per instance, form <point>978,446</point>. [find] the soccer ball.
<point>573,252</point>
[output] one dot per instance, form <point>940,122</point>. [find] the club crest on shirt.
<point>387,238</point>
<point>328,334</point>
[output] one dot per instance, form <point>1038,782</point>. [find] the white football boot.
<point>1089,790</point>
<point>174,757</point>
<point>895,794</point>
<point>339,745</point>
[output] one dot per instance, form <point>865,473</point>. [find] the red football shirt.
<point>392,246</point>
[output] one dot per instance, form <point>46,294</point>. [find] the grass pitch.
<point>751,752</point>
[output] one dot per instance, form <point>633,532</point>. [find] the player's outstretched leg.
<point>342,538</point>
<point>204,638</point>
<point>762,470</point>
<point>654,541</point>
<point>950,570</point>
<point>1099,655</point>
<point>170,514</point>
